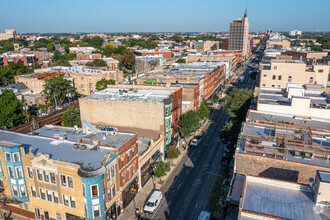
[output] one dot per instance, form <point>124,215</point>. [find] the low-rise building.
<point>81,50</point>
<point>278,73</point>
<point>205,45</point>
<point>9,33</point>
<point>149,112</point>
<point>82,59</point>
<point>236,53</point>
<point>69,173</point>
<point>147,64</point>
<point>166,54</point>
<point>9,57</point>
<point>277,41</point>
<point>231,58</point>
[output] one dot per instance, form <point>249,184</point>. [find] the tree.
<point>50,47</point>
<point>11,109</point>
<point>7,73</point>
<point>161,168</point>
<point>238,102</point>
<point>96,41</point>
<point>203,111</point>
<point>172,152</point>
<point>61,63</point>
<point>58,88</point>
<point>180,60</point>
<point>129,60</point>
<point>316,48</point>
<point>97,63</point>
<point>189,123</point>
<point>215,98</point>
<point>230,131</point>
<point>102,84</point>
<point>71,117</point>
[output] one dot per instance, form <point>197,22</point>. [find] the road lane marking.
<point>187,171</point>
<point>196,205</point>
<point>179,186</point>
<point>168,204</point>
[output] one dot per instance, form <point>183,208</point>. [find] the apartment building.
<point>239,35</point>
<point>231,58</point>
<point>89,57</point>
<point>237,53</point>
<point>305,55</point>
<point>9,57</point>
<point>9,33</point>
<point>147,64</point>
<point>166,54</point>
<point>82,59</point>
<point>156,111</point>
<point>68,173</point>
<point>278,73</point>
<point>205,45</point>
<point>277,41</point>
<point>81,50</point>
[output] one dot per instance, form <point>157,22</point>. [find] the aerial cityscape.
<point>176,110</point>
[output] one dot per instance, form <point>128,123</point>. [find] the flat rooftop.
<point>278,199</point>
<point>133,95</point>
<point>61,150</point>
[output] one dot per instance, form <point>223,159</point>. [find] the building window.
<point>108,174</point>
<point>90,79</point>
<point>311,80</point>
<point>49,195</point>
<point>275,67</point>
<point>128,156</point>
<point>129,173</point>
<point>73,202</point>
<point>2,186</point>
<point>33,191</point>
<point>307,155</point>
<point>63,180</point>
<point>39,174</point>
<point>273,86</point>
<point>263,84</point>
<point>16,157</point>
<point>82,78</point>
<point>70,181</point>
<point>113,190</point>
<point>58,216</point>
<point>297,154</point>
<point>66,200</point>
<point>278,86</point>
<point>19,172</point>
<point>274,77</point>
<point>133,168</point>
<point>15,191</point>
<point>30,172</point>
<point>280,77</point>
<point>133,152</point>
<point>123,177</point>
<point>265,75</point>
<point>42,194</point>
<point>37,211</point>
<point>23,191</point>
<point>95,192</point>
<point>46,215</point>
<point>46,176</point>
<point>52,178</point>
<point>86,211</point>
<point>320,71</point>
<point>112,171</point>
<point>84,190</point>
<point>96,211</point>
<point>122,162</point>
<point>11,172</point>
<point>289,78</point>
<point>109,194</point>
<point>26,206</point>
<point>55,196</point>
<point>8,157</point>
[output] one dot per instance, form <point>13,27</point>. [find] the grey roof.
<point>18,86</point>
<point>61,150</point>
<point>281,201</point>
<point>324,176</point>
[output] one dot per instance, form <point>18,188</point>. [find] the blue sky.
<point>161,16</point>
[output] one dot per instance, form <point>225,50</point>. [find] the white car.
<point>195,142</point>
<point>153,202</point>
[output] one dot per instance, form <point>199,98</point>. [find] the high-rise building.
<point>239,35</point>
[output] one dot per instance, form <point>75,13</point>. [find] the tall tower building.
<point>239,35</point>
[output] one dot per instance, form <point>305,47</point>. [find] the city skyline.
<point>183,16</point>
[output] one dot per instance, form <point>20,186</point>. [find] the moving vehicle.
<point>195,142</point>
<point>242,79</point>
<point>153,202</point>
<point>205,215</point>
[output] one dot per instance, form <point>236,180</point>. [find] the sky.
<point>41,16</point>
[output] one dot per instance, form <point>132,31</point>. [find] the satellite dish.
<point>312,184</point>
<point>311,179</point>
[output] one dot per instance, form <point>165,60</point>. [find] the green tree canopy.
<point>71,117</point>
<point>102,84</point>
<point>161,168</point>
<point>97,63</point>
<point>58,87</point>
<point>172,152</point>
<point>237,102</point>
<point>203,111</point>
<point>93,41</point>
<point>7,73</point>
<point>180,60</point>
<point>11,109</point>
<point>230,131</point>
<point>189,123</point>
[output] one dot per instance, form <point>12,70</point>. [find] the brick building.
<point>27,59</point>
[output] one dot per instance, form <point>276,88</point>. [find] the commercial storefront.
<point>130,192</point>
<point>146,170</point>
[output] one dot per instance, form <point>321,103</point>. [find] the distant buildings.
<point>166,54</point>
<point>295,33</point>
<point>277,41</point>
<point>279,72</point>
<point>82,59</point>
<point>231,58</point>
<point>83,50</point>
<point>205,45</point>
<point>10,57</point>
<point>147,64</point>
<point>239,35</point>
<point>9,33</point>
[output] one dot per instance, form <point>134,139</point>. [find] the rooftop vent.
<point>79,147</point>
<point>95,148</point>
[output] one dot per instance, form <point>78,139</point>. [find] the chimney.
<point>30,151</point>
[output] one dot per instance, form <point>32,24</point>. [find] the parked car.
<point>153,202</point>
<point>195,142</point>
<point>204,215</point>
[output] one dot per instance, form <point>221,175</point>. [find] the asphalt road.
<point>187,194</point>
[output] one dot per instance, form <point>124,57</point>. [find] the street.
<point>187,195</point>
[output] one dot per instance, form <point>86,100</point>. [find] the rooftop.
<point>133,95</point>
<point>279,199</point>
